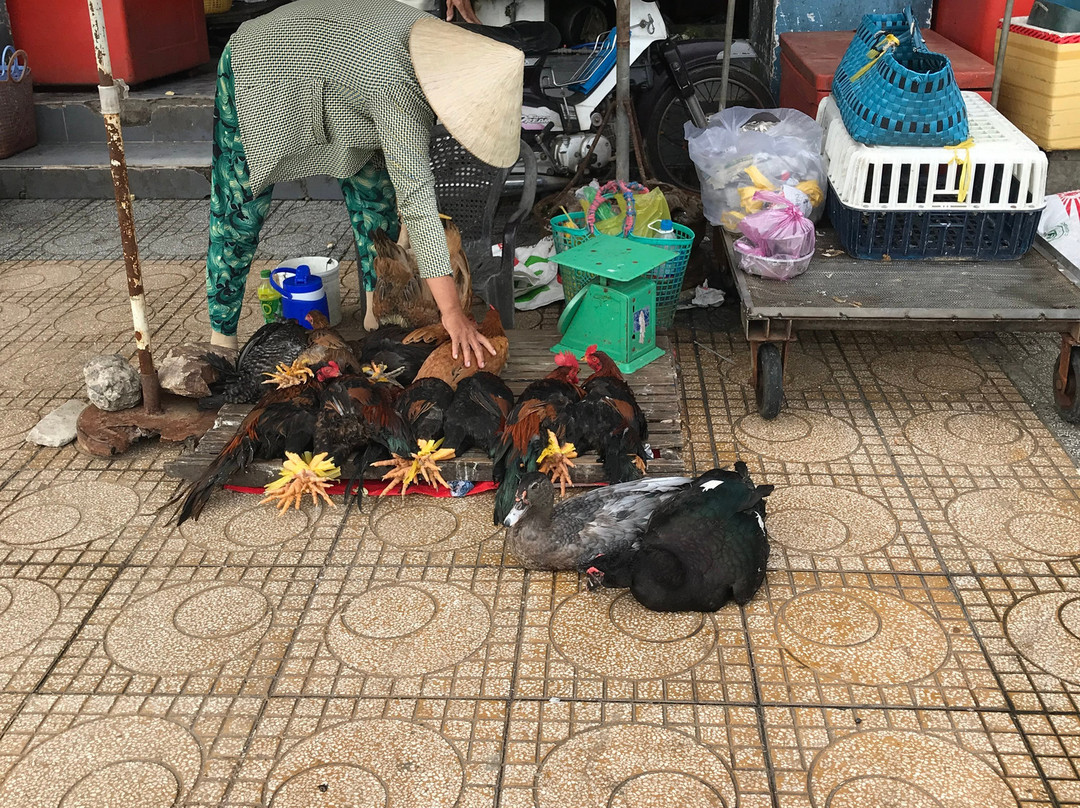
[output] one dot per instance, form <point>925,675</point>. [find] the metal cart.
<point>1039,292</point>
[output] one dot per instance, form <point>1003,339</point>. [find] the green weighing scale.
<point>618,312</point>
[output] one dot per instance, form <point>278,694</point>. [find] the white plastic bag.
<point>536,281</point>
<point>743,151</point>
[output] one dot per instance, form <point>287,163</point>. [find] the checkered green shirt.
<point>322,87</point>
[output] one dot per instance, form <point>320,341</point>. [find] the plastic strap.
<point>889,43</point>
<point>965,166</point>
<point>627,189</point>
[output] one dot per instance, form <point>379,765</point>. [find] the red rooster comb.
<point>566,359</point>
<point>329,372</point>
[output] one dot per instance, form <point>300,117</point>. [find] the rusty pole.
<point>110,94</point>
<point>622,90</point>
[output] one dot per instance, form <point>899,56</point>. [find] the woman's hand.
<point>465,340</point>
<point>463,7</point>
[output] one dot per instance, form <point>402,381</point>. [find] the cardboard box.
<point>1040,85</point>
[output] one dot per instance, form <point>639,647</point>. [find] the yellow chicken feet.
<point>376,372</point>
<point>556,461</point>
<point>299,476</point>
<point>423,464</point>
<point>289,375</point>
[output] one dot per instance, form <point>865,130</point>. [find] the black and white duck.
<point>702,547</point>
<point>545,536</point>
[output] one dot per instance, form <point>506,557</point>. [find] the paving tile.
<point>419,530</point>
<point>41,609</point>
<point>187,631</point>
<point>394,752</point>
<point>845,639</point>
<point>603,645</point>
<point>432,632</point>
<point>587,753</point>
<point>870,757</point>
<point>123,749</point>
<point>68,517</point>
<point>1030,628</point>
<point>235,530</point>
<point>1055,740</point>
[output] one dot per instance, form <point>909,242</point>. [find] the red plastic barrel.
<point>147,38</point>
<point>973,24</point>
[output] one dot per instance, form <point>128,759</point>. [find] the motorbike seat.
<point>534,38</point>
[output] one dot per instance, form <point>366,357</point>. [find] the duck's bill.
<point>515,514</point>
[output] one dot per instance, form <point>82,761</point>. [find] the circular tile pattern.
<point>798,436</point>
<point>801,372</point>
<point>154,280</point>
<point>830,521</point>
<point>377,762</point>
<point>27,610</point>
<point>898,769</point>
<point>32,212</point>
<point>1018,524</point>
<point>188,628</point>
<point>861,637</point>
<point>98,321</point>
<point>1045,629</point>
<point>11,315</point>
<point>235,522</point>
<point>425,523</point>
<point>611,634</point>
<point>137,762</point>
<point>38,277</point>
<point>14,426</point>
<point>629,766</point>
<point>922,371</point>
<point>970,438</point>
<point>24,372</point>
<point>68,515</point>
<point>408,629</point>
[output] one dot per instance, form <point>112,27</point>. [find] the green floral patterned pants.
<point>237,215</point>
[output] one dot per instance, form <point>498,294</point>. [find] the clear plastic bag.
<point>743,151</point>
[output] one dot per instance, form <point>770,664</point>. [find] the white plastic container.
<point>1006,171</point>
<point>326,269</point>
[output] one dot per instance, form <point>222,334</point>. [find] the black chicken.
<point>540,409</point>
<point>609,421</point>
<point>703,547</point>
<point>385,346</point>
<point>284,420</point>
<point>358,424</point>
<point>423,405</point>
<point>477,414</point>
<point>242,383</point>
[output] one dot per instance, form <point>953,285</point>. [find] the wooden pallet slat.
<point>656,386</point>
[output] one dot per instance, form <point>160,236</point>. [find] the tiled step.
<point>156,170</point>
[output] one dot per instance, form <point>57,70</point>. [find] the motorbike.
<point>672,81</point>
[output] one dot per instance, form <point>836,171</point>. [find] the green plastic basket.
<point>668,277</point>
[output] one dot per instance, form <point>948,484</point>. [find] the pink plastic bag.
<point>780,229</point>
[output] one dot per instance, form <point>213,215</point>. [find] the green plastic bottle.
<point>269,297</point>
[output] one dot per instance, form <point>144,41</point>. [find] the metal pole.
<point>109,93</point>
<point>729,37</point>
<point>1000,63</point>
<point>622,90</point>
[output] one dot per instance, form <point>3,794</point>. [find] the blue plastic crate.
<point>930,234</point>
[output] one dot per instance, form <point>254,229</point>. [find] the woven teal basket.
<point>892,91</point>
<point>668,276</point>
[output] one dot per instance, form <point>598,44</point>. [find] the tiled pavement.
<point>917,642</point>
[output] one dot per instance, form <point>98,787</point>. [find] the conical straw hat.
<point>474,85</point>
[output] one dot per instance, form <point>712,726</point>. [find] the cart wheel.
<point>1067,400</point>
<point>770,381</point>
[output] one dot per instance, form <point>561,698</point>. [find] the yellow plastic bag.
<point>649,208</point>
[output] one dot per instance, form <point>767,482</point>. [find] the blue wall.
<point>830,15</point>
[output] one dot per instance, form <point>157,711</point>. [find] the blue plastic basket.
<point>930,234</point>
<point>892,91</point>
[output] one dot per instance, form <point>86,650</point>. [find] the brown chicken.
<point>401,297</point>
<point>442,365</point>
